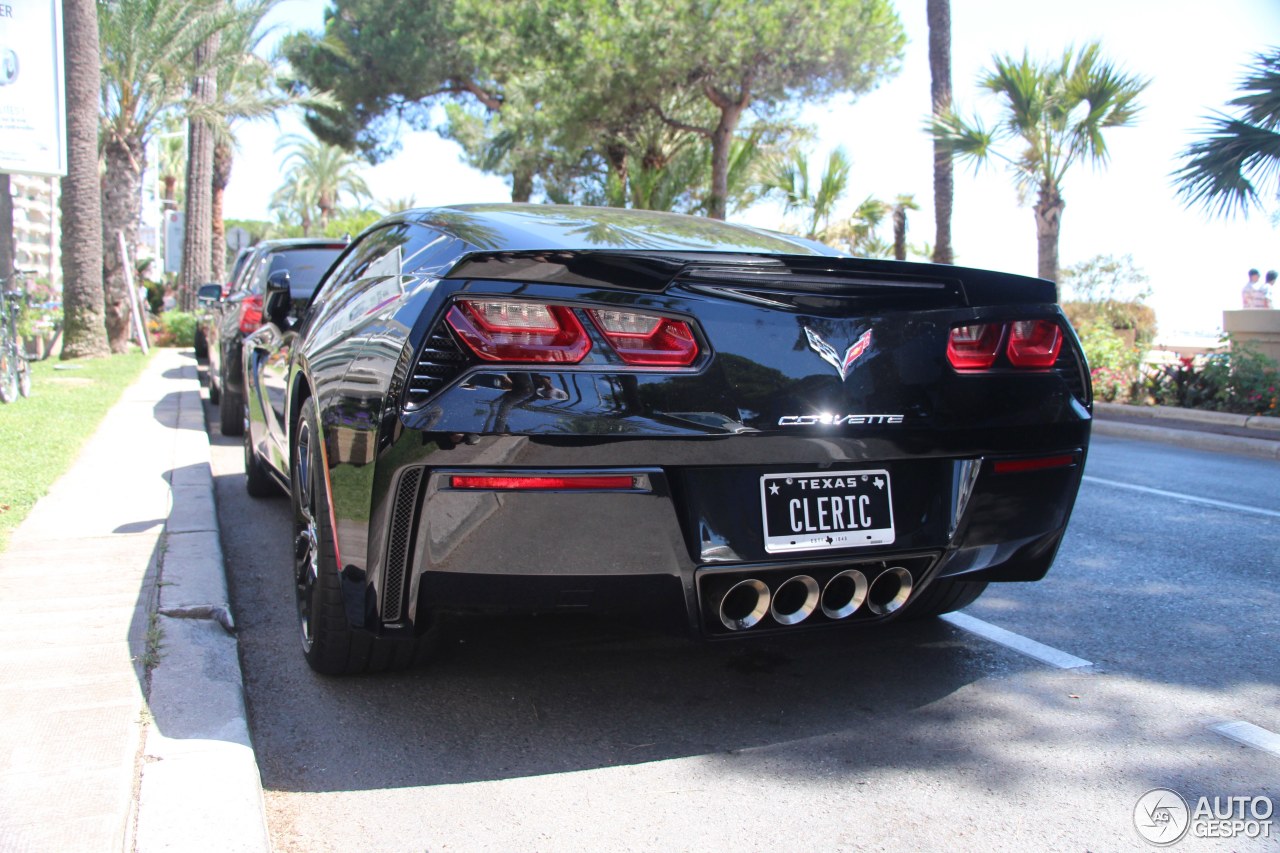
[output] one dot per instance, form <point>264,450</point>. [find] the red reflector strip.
<point>1017,466</point>
<point>614,482</point>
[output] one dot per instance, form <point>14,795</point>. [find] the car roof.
<point>546,227</point>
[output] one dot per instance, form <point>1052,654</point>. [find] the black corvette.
<point>538,408</point>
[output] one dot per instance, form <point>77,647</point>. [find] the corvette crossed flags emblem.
<point>831,357</point>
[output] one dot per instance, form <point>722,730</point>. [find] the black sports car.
<point>538,408</point>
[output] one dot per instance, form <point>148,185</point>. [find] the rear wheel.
<point>943,596</point>
<point>230,410</point>
<point>329,643</point>
<point>201,345</point>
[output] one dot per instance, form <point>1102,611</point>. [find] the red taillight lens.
<point>647,339</point>
<point>1042,463</point>
<point>974,347</point>
<point>1034,343</point>
<point>251,314</point>
<point>500,330</point>
<point>543,483</point>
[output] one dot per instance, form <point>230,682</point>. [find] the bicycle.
<point>15,371</point>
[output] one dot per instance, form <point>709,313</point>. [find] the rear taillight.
<point>501,330</point>
<point>545,482</point>
<point>1034,343</point>
<point>974,347</point>
<point>251,314</point>
<point>647,339</point>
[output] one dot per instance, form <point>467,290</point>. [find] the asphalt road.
<point>568,734</point>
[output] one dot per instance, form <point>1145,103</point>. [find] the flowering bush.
<point>1240,380</point>
<point>1113,363</point>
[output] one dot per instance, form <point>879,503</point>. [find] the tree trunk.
<point>198,233</point>
<point>121,208</point>
<point>721,143</point>
<point>84,333</point>
<point>521,184</point>
<point>1049,208</point>
<point>900,232</point>
<point>938,13</point>
<point>223,155</point>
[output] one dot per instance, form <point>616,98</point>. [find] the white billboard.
<point>33,137</point>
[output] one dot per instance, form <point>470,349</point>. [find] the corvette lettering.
<point>838,420</point>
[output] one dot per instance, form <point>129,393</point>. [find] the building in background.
<point>37,232</point>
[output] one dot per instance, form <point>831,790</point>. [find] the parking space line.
<point>1017,642</point>
<point>1249,735</point>
<point>1147,490</point>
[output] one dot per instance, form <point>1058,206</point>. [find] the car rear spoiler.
<point>805,282</point>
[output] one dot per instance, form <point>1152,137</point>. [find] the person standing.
<point>1253,294</point>
<point>1270,286</point>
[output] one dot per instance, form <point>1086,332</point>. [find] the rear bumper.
<point>696,524</point>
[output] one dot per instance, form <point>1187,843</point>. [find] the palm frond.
<point>1231,169</point>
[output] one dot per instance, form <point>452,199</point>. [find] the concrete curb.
<point>199,776</point>
<point>1258,447</point>
<point>1267,427</point>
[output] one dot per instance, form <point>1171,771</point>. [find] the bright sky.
<point>1193,52</point>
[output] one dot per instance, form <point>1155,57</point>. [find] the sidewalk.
<point>97,753</point>
<point>1214,431</point>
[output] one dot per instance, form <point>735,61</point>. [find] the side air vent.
<point>400,544</point>
<point>441,359</point>
<point>1070,367</point>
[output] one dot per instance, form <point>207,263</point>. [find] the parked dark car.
<point>240,312</point>
<point>538,408</point>
<point>208,296</point>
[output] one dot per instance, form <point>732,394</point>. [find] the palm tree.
<point>900,207</point>
<point>1056,113</point>
<point>1236,163</point>
<point>938,13</point>
<point>788,177</point>
<point>84,330</point>
<point>318,178</point>
<point>148,47</point>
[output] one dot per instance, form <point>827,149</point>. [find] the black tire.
<point>230,412</point>
<point>329,643</point>
<point>201,345</point>
<point>943,596</point>
<point>258,482</point>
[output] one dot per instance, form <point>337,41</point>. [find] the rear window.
<point>305,267</point>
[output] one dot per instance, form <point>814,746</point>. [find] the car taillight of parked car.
<point>533,332</point>
<point>1027,344</point>
<point>251,314</point>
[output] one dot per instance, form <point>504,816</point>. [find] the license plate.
<point>813,511</point>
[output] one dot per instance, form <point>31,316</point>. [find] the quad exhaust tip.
<point>794,600</point>
<point>889,591</point>
<point>744,604</point>
<point>844,594</point>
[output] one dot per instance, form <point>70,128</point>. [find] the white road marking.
<point>1249,735</point>
<point>1147,490</point>
<point>1017,642</point>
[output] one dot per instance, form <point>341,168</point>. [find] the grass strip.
<point>40,436</point>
